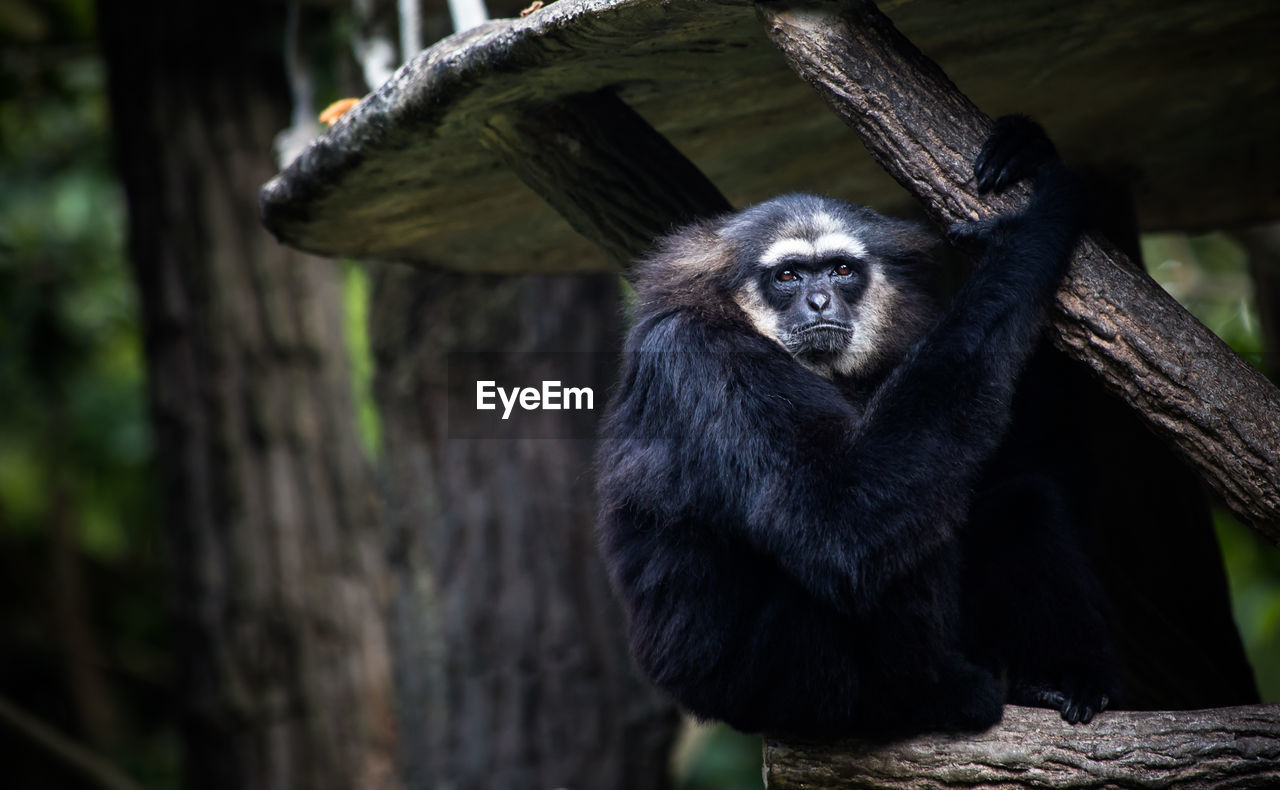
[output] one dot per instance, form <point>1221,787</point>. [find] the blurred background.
<point>92,686</point>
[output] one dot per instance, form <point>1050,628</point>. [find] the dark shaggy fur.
<point>868,551</point>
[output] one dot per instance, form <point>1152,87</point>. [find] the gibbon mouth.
<point>824,325</point>
<point>820,339</point>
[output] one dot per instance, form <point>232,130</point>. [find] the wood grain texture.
<point>1218,748</point>
<point>1221,414</point>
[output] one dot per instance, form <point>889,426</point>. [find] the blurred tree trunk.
<point>72,621</point>
<point>72,610</point>
<point>273,532</point>
<point>512,657</point>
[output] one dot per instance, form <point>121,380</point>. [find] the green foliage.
<point>356,330</point>
<point>1253,570</point>
<point>70,355</point>
<point>75,446</point>
<point>1209,275</point>
<point>716,757</point>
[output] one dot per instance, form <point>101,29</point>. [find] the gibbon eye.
<point>786,276</point>
<point>843,270</point>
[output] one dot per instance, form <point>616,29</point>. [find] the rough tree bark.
<point>1226,748</point>
<point>1189,386</point>
<point>274,541</point>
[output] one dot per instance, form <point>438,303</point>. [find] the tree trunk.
<point>274,542</point>
<point>512,658</point>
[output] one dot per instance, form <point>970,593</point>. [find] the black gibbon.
<point>814,508</point>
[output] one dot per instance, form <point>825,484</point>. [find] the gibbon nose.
<point>819,301</point>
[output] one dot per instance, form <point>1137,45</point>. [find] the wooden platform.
<point>1184,96</point>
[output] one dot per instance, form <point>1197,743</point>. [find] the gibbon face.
<point>827,280</point>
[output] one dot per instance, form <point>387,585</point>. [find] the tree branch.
<point>1221,747</point>
<point>1189,387</point>
<point>93,768</point>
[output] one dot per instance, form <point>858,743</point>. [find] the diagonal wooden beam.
<point>608,172</point>
<point>1189,387</point>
